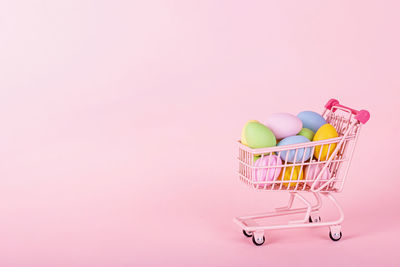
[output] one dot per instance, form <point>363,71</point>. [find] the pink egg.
<point>311,172</point>
<point>267,174</point>
<point>283,124</point>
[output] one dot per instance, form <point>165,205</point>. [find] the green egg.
<point>243,138</point>
<point>256,157</point>
<point>257,135</point>
<point>307,133</point>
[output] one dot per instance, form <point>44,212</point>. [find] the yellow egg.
<point>326,131</point>
<point>297,175</point>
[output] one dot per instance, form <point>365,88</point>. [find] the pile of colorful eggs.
<point>283,129</point>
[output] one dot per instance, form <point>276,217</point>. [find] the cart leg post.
<point>335,232</point>
<point>318,205</point>
<point>338,207</point>
<point>314,217</point>
<point>289,205</point>
<point>309,206</point>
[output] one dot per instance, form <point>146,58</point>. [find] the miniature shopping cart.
<point>329,177</point>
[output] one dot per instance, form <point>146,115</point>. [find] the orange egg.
<point>296,175</point>
<point>326,131</point>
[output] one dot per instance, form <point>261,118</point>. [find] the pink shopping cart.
<point>328,175</point>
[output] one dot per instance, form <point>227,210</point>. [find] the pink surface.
<point>119,121</point>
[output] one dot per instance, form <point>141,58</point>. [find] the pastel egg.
<point>293,175</point>
<point>256,157</point>
<point>312,171</point>
<point>311,120</point>
<point>326,131</point>
<point>307,133</point>
<point>291,154</point>
<point>257,135</point>
<point>270,173</point>
<point>243,137</point>
<point>283,124</point>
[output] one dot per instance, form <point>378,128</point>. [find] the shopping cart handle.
<point>362,115</point>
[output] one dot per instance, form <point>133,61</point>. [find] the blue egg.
<point>311,120</point>
<point>297,139</point>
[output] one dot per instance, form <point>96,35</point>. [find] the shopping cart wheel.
<point>258,241</point>
<point>247,234</point>
<point>335,236</point>
<point>314,219</point>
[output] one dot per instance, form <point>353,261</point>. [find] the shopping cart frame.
<point>348,124</point>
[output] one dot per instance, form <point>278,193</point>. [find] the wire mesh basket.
<point>300,174</point>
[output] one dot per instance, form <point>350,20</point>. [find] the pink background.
<point>119,121</point>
